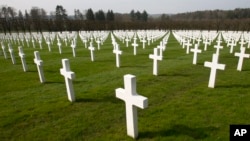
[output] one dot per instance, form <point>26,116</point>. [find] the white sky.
<point>125,6</point>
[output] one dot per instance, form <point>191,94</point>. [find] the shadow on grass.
<point>54,82</point>
<point>134,66</point>
<point>110,99</point>
<point>32,71</point>
<point>176,130</point>
<point>245,70</point>
<point>234,86</point>
<point>175,74</point>
<point>200,64</point>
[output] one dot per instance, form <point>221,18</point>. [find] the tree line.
<point>38,20</point>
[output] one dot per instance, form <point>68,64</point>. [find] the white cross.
<point>143,42</point>
<point>161,48</point>
<point>27,42</point>
<point>91,39</point>
<point>199,40</point>
<point>228,40</point>
<point>98,44</point>
<point>48,43</point>
<point>242,42</point>
<point>214,66</point>
<point>40,44</point>
<point>195,50</point>
<point>4,51</point>
<point>22,41</point>
<point>219,40</point>
<point>134,45</point>
<point>69,76</point>
<point>248,46</point>
<point>162,45</point>
<point>241,56</point>
<point>127,40</point>
<point>39,64</point>
<point>149,39</point>
<point>59,44</point>
<point>22,56</point>
<point>117,52</point>
<point>33,42</point>
<point>155,58</point>
<point>91,48</point>
<point>188,44</point>
<point>218,47</point>
<point>12,55</point>
<point>73,46</point>
<point>183,42</point>
<point>66,41</point>
<point>85,42</point>
<point>206,42</point>
<point>132,101</point>
<point>232,44</point>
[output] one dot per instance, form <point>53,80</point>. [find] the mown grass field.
<point>181,106</point>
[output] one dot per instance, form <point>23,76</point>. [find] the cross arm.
<point>38,62</point>
<point>67,74</point>
<point>136,100</point>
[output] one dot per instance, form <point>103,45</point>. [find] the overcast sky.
<point>125,6</point>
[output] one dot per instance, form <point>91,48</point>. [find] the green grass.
<point>181,106</point>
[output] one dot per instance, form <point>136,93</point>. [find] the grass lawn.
<point>181,106</point>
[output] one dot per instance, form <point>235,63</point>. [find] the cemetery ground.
<point>180,104</point>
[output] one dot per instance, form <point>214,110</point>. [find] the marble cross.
<point>59,44</point>
<point>48,43</point>
<point>183,42</point>
<point>214,66</point>
<point>69,76</point>
<point>73,46</point>
<point>241,56</point>
<point>155,58</point>
<point>91,48</point>
<point>242,42</point>
<point>143,42</point>
<point>218,47</point>
<point>135,46</point>
<point>40,43</point>
<point>199,40</point>
<point>22,56</point>
<point>98,44</point>
<point>127,40</point>
<point>188,45</point>
<point>195,50</point>
<point>132,101</point>
<point>161,48</point>
<point>149,40</point>
<point>4,51</point>
<point>117,52</point>
<point>12,55</point>
<point>85,42</point>
<point>39,64</point>
<point>33,42</point>
<point>206,42</point>
<point>232,45</point>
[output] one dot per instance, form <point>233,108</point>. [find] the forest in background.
<point>38,20</point>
